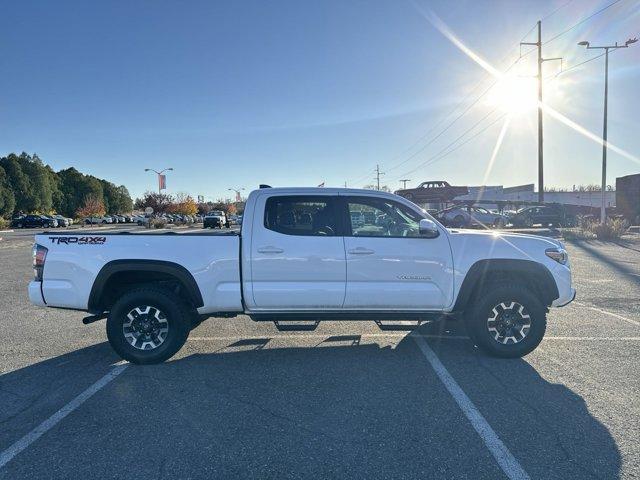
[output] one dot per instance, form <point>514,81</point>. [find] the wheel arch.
<point>116,275</point>
<point>527,272</point>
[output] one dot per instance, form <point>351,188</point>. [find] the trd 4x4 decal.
<point>79,240</point>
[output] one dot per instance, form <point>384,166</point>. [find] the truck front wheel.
<point>148,325</point>
<point>507,321</point>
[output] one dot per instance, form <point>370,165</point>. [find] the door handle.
<point>361,251</point>
<point>270,249</point>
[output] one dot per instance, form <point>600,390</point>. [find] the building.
<point>526,194</point>
<point>628,197</point>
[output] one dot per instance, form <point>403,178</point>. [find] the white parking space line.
<point>508,463</point>
<point>7,455</point>
<point>615,315</point>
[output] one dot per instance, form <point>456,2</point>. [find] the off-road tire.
<point>482,310</point>
<point>177,316</point>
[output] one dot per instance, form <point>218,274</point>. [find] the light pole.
<point>237,190</point>
<point>606,48</point>
<point>159,173</point>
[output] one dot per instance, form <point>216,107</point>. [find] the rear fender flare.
<point>117,266</point>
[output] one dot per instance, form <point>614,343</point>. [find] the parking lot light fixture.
<point>606,48</point>
<point>237,190</point>
<point>159,173</point>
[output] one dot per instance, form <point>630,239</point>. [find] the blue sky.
<point>239,93</point>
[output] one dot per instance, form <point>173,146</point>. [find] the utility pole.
<point>404,183</point>
<point>378,173</point>
<point>606,48</point>
<point>540,132</point>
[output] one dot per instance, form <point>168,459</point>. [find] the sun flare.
<point>514,94</point>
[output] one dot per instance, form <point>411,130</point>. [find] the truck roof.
<point>325,191</point>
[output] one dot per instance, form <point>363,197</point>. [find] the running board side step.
<point>406,327</point>
<point>296,327</point>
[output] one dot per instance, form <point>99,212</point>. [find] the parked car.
<point>97,220</point>
<point>62,221</point>
<point>35,221</point>
<point>215,219</point>
<point>141,219</point>
<point>432,192</point>
<point>302,259</point>
<point>547,215</point>
<point>471,216</point>
<point>17,221</point>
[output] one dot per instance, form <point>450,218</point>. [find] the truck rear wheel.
<point>148,325</point>
<point>507,321</point>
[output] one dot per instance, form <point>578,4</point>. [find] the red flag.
<point>162,182</point>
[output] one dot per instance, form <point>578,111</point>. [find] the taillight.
<point>39,257</point>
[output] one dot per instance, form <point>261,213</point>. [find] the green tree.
<point>75,187</point>
<point>7,199</point>
<point>116,199</point>
<point>41,192</point>
<point>18,182</point>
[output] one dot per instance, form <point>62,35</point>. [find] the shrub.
<point>577,234</point>
<point>590,228</point>
<point>157,223</point>
<point>611,230</point>
<point>3,223</point>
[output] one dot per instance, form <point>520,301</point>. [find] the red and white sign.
<point>162,182</point>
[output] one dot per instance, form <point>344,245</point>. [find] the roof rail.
<point>264,185</point>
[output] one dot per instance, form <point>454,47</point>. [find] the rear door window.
<point>301,215</point>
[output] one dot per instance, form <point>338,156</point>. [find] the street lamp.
<point>159,173</point>
<point>237,190</point>
<point>606,48</point>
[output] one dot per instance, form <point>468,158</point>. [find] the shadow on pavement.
<point>339,407</point>
<point>599,255</point>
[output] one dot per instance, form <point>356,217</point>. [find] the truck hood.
<point>500,244</point>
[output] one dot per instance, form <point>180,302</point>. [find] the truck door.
<point>389,265</point>
<point>297,256</point>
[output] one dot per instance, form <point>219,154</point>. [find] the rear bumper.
<point>35,294</point>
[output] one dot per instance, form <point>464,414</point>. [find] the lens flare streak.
<point>447,33</point>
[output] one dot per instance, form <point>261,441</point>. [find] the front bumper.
<point>566,300</point>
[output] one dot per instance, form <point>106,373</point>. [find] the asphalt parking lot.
<point>347,400</point>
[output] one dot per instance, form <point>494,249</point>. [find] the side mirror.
<point>428,228</point>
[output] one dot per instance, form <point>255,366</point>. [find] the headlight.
<point>560,255</point>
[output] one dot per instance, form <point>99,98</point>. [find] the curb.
<point>7,231</point>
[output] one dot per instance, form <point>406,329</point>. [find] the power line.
<point>574,66</point>
<point>464,112</point>
<point>439,156</point>
<point>454,141</point>
<point>564,70</point>
<point>555,37</point>
<point>433,139</point>
<point>581,22</point>
<point>554,12</point>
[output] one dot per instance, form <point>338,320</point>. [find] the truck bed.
<point>76,258</point>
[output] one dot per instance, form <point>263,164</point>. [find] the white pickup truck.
<point>302,257</point>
